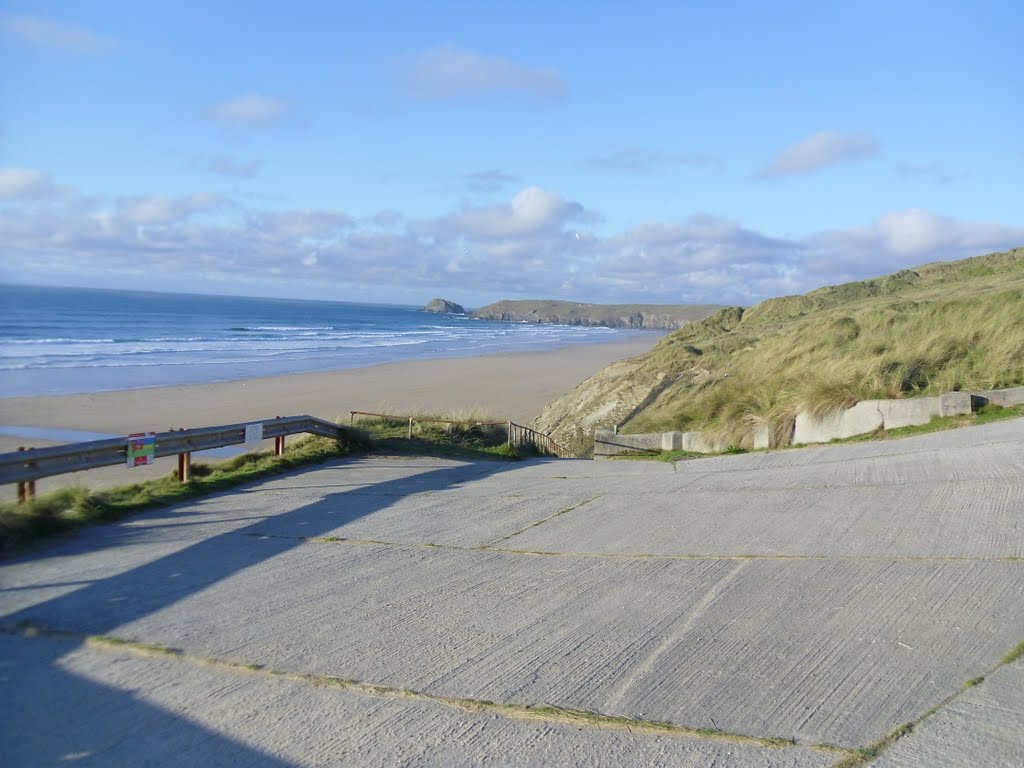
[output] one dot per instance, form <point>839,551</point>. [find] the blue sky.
<point>658,152</point>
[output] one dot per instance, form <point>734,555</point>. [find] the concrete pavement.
<point>793,608</point>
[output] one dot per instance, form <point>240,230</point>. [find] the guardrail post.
<point>279,446</point>
<point>26,488</point>
<point>184,467</point>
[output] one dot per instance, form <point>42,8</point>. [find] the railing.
<point>516,434</point>
<point>25,466</point>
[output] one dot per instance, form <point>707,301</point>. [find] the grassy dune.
<point>936,328</point>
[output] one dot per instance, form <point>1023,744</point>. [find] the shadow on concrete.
<point>104,605</point>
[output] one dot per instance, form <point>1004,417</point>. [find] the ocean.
<point>71,340</point>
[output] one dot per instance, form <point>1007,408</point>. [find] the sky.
<point>661,152</point>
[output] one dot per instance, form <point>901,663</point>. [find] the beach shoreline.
<point>511,385</point>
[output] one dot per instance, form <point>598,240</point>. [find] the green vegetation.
<point>657,316</point>
<point>938,328</point>
<point>1015,653</point>
<point>69,509</point>
<point>463,434</point>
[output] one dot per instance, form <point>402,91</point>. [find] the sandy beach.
<point>513,386</point>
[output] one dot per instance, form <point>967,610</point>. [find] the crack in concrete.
<point>550,713</point>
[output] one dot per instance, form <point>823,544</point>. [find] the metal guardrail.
<point>517,434</point>
<point>26,466</point>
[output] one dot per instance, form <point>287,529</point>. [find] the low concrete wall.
<point>1004,397</point>
<point>866,416</point>
<point>870,415</point>
<point>607,443</point>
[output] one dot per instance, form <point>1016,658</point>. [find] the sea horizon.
<point>66,340</point>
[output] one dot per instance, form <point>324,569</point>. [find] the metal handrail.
<point>29,465</point>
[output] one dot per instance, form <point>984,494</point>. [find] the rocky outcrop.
<point>444,307</point>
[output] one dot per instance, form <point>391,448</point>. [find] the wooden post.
<point>510,434</point>
<point>410,427</point>
<point>279,445</point>
<point>184,467</point>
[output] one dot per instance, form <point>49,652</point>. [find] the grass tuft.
<point>1014,654</point>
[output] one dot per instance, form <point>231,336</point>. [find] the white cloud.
<point>25,184</point>
<point>820,151</point>
<point>451,74</point>
<point>899,240</point>
<point>46,33</point>
<point>252,110</point>
<point>302,224</point>
<point>532,211</point>
<point>534,245</point>
<point>159,210</point>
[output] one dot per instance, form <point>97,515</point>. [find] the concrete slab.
<point>879,593</point>
<point>710,643</point>
<point>982,726</point>
<point>119,708</point>
<point>947,520</point>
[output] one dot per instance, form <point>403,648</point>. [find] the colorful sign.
<point>141,449</point>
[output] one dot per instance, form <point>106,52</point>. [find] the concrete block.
<point>762,437</point>
<point>864,417</point>
<point>695,442</point>
<point>954,404</point>
<point>1002,397</point>
<point>910,412</point>
<point>604,443</point>
<point>650,441</point>
<point>607,443</point>
<point>672,441</point>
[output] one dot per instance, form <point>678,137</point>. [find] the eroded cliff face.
<point>606,399</point>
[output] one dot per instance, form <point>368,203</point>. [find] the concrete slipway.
<point>783,609</point>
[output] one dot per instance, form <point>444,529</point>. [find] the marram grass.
<point>936,329</point>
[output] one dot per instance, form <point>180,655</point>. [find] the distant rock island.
<point>653,316</point>
<point>443,306</point>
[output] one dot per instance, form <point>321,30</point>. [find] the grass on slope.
<point>939,328</point>
<point>465,433</point>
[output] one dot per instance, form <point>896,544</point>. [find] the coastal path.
<point>839,605</point>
